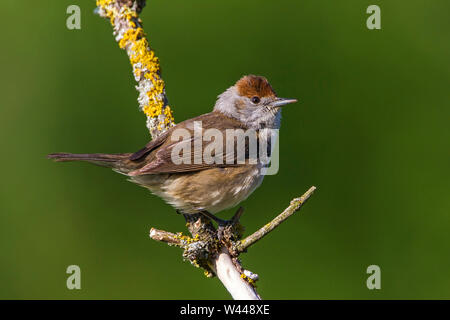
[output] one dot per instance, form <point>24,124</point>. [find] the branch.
<point>217,251</point>
<point>128,32</point>
<point>206,251</point>
<point>232,278</point>
<point>295,205</point>
<point>167,237</point>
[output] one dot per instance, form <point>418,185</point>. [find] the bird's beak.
<point>279,102</point>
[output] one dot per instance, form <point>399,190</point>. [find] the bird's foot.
<point>222,225</point>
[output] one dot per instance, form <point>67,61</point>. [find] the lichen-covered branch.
<point>213,251</point>
<point>218,251</point>
<point>129,33</point>
<point>168,237</point>
<point>234,280</point>
<point>295,205</point>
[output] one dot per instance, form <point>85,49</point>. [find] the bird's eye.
<point>255,99</point>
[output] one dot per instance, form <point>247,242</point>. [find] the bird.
<point>188,180</point>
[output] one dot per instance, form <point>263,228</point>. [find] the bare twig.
<point>295,205</point>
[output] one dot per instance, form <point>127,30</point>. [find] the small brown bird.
<point>190,182</point>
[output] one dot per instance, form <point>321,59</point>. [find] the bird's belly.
<point>212,190</point>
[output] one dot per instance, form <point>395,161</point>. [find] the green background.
<point>371,131</point>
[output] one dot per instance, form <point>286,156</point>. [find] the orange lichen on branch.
<point>146,67</point>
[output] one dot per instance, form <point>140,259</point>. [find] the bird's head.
<point>253,102</point>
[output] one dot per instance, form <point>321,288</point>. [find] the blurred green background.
<point>371,131</point>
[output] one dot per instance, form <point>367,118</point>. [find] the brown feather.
<point>159,159</point>
<point>251,85</point>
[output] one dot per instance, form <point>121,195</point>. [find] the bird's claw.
<point>222,225</point>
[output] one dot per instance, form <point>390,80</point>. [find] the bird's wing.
<point>178,150</point>
<point>149,147</point>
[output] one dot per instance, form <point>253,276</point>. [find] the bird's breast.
<point>213,190</point>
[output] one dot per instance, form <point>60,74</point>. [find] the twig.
<point>167,237</point>
<point>295,205</point>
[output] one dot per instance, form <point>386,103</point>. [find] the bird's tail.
<point>105,160</point>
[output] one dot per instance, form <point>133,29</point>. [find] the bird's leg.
<point>222,224</point>
<point>219,221</point>
<point>237,215</point>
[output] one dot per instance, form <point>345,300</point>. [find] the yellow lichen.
<point>104,3</point>
<point>249,280</point>
<point>145,64</point>
<point>186,239</point>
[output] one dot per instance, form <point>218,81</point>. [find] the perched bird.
<point>190,182</point>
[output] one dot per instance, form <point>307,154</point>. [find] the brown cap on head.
<point>251,86</point>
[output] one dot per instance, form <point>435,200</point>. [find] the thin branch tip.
<point>293,207</point>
